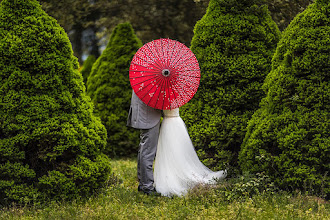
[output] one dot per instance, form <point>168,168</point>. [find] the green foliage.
<point>288,137</point>
<point>47,128</point>
<point>246,186</point>
<point>91,175</point>
<point>110,90</point>
<point>123,201</point>
<point>234,43</point>
<point>87,67</point>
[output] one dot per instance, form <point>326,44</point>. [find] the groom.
<point>146,119</point>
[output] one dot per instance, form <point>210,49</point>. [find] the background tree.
<point>150,19</point>
<point>87,68</point>
<point>234,43</point>
<point>77,16</point>
<point>110,90</point>
<point>288,137</point>
<point>283,11</point>
<point>153,19</point>
<point>50,141</point>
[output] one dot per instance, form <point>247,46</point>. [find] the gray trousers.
<point>146,157</point>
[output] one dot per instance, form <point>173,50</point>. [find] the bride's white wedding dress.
<point>177,166</point>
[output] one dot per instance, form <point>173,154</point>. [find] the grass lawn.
<point>123,201</point>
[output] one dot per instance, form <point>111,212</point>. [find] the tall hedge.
<point>234,43</point>
<point>87,67</point>
<point>50,141</point>
<point>288,137</point>
<point>110,90</point>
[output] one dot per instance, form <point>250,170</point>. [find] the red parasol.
<point>164,74</point>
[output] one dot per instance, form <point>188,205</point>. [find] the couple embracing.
<point>177,167</point>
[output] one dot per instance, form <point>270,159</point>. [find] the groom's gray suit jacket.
<point>147,119</point>
<point>141,116</point>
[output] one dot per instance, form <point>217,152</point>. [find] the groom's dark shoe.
<point>151,192</point>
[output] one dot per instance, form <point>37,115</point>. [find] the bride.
<point>177,166</point>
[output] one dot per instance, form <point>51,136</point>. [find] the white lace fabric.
<point>177,166</point>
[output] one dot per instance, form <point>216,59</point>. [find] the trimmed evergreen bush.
<point>110,90</point>
<point>234,43</point>
<point>50,141</point>
<point>87,68</point>
<point>288,137</point>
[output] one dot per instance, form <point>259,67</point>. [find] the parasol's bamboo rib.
<point>197,77</point>
<point>137,77</point>
<point>163,95</point>
<point>185,91</point>
<point>156,100</point>
<point>155,58</point>
<point>150,90</point>
<point>176,54</point>
<point>141,65</point>
<point>187,86</point>
<point>181,71</point>
<point>162,80</point>
<point>169,94</point>
<point>146,62</point>
<point>187,80</point>
<point>155,77</point>
<point>167,51</point>
<point>174,64</point>
<point>143,71</point>
<point>186,77</point>
<point>147,67</point>
<point>178,64</point>
<point>163,89</point>
<point>178,93</point>
<point>175,98</point>
<point>189,65</point>
<point>170,60</point>
<point>167,47</point>
<point>161,84</point>
<point>158,53</point>
<point>161,44</point>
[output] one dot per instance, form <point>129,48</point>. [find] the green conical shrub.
<point>288,138</point>
<point>87,67</point>
<point>50,141</point>
<point>110,90</point>
<point>234,43</point>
